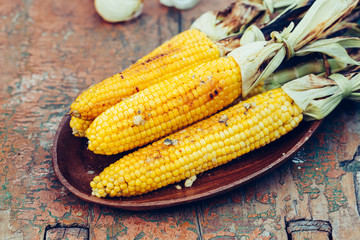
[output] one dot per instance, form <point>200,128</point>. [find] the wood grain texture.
<point>310,235</point>
<point>312,186</point>
<point>52,50</point>
<point>68,233</point>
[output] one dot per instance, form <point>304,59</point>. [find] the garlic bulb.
<point>118,10</point>
<point>180,4</point>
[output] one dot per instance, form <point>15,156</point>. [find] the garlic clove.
<point>180,4</point>
<point>118,10</point>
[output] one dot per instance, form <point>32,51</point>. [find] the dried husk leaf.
<point>318,96</point>
<point>230,21</point>
<point>315,23</point>
<point>280,3</point>
<point>320,19</point>
<point>250,57</point>
<point>333,47</point>
<point>251,34</point>
<point>291,7</point>
<point>236,18</point>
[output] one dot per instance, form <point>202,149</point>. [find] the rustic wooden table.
<point>51,50</point>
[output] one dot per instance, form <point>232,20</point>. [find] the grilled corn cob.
<point>222,24</point>
<point>200,147</point>
<point>166,107</point>
<point>146,72</point>
<point>225,136</point>
<point>175,103</point>
<point>79,126</point>
<point>165,61</point>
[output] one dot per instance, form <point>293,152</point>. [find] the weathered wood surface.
<point>51,50</point>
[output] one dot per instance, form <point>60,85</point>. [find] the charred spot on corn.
<point>246,105</point>
<point>214,93</point>
<point>169,141</point>
<point>224,119</point>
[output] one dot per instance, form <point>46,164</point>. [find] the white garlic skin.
<point>180,4</point>
<point>118,10</point>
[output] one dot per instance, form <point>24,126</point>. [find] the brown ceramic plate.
<point>75,166</point>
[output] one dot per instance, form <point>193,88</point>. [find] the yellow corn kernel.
<point>79,126</point>
<point>260,88</point>
<point>213,130</point>
<point>176,106</point>
<point>169,61</point>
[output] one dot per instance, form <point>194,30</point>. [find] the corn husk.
<point>333,47</point>
<point>315,66</point>
<point>254,33</point>
<point>318,96</point>
<point>302,66</point>
<point>291,7</point>
<point>237,17</point>
<point>251,34</point>
<point>258,60</point>
<point>232,20</point>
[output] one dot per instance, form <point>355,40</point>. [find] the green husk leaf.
<point>316,66</point>
<point>318,96</point>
